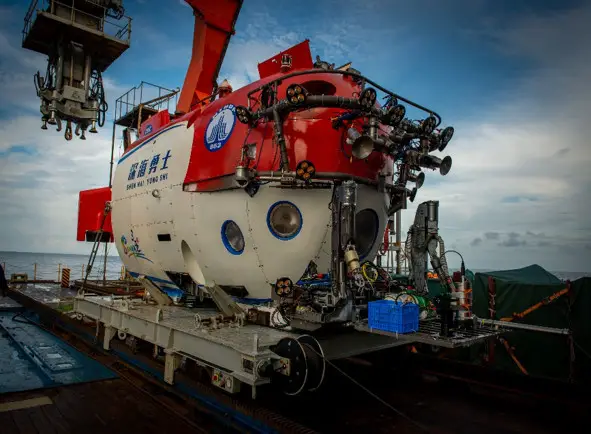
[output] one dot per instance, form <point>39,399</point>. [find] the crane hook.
<point>68,133</point>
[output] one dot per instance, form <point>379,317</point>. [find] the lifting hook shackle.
<point>68,133</point>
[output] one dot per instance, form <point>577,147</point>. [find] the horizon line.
<point>116,255</point>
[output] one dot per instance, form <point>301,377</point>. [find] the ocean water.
<point>47,265</point>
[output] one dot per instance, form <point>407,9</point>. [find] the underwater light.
<point>368,97</point>
<point>296,94</point>
<point>445,137</point>
<point>419,179</point>
<point>243,114</point>
<point>283,287</point>
<point>395,114</point>
<point>305,170</point>
<point>362,145</point>
<point>428,125</point>
<point>433,162</point>
<point>412,194</point>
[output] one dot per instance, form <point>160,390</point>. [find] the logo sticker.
<point>133,249</point>
<point>148,130</point>
<point>220,127</point>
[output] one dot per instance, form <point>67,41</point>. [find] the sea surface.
<point>46,266</point>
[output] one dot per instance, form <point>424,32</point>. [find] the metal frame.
<point>235,350</point>
<point>134,97</point>
<point>239,350</point>
<point>429,333</point>
<point>37,7</point>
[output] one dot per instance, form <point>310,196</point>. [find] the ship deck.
<point>47,386</point>
<point>137,398</point>
<point>105,406</point>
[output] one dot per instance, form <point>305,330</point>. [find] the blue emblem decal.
<point>220,127</point>
<point>148,130</point>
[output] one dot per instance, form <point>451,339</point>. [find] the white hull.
<point>194,221</point>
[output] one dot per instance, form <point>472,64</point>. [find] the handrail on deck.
<point>146,94</point>
<point>123,32</point>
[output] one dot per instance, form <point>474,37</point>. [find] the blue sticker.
<point>148,130</point>
<point>220,127</point>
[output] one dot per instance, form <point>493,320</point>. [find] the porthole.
<point>284,220</point>
<point>232,237</point>
<point>366,231</point>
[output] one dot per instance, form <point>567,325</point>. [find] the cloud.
<point>336,40</point>
<point>476,241</point>
<point>529,142</point>
<point>491,235</point>
<point>513,240</point>
<point>39,190</point>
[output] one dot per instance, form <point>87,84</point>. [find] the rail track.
<point>390,391</point>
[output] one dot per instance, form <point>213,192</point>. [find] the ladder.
<point>95,247</point>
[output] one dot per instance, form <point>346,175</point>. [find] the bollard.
<point>65,277</point>
<point>35,272</point>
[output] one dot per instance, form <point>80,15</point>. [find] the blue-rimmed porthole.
<point>232,237</point>
<point>284,220</point>
<point>367,225</point>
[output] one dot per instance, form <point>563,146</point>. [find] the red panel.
<point>301,58</point>
<point>309,135</point>
<point>154,123</point>
<point>91,205</point>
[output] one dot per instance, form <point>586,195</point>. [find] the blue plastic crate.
<point>393,316</point>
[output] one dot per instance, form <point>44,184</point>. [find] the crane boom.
<point>214,26</point>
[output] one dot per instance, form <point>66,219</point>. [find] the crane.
<point>81,39</point>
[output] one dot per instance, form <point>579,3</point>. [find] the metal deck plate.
<point>429,334</point>
<point>8,304</point>
<point>50,294</point>
<point>186,320</point>
<point>31,358</point>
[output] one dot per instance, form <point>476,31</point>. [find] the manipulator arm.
<point>422,241</point>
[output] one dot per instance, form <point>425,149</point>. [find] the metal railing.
<point>52,272</point>
<point>387,258</point>
<point>116,28</point>
<point>143,94</point>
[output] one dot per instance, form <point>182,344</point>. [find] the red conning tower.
<point>310,134</point>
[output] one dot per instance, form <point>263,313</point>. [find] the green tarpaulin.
<point>541,354</point>
<point>533,274</point>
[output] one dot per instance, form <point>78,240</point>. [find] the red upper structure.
<point>299,55</point>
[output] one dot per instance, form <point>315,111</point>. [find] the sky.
<point>511,76</point>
